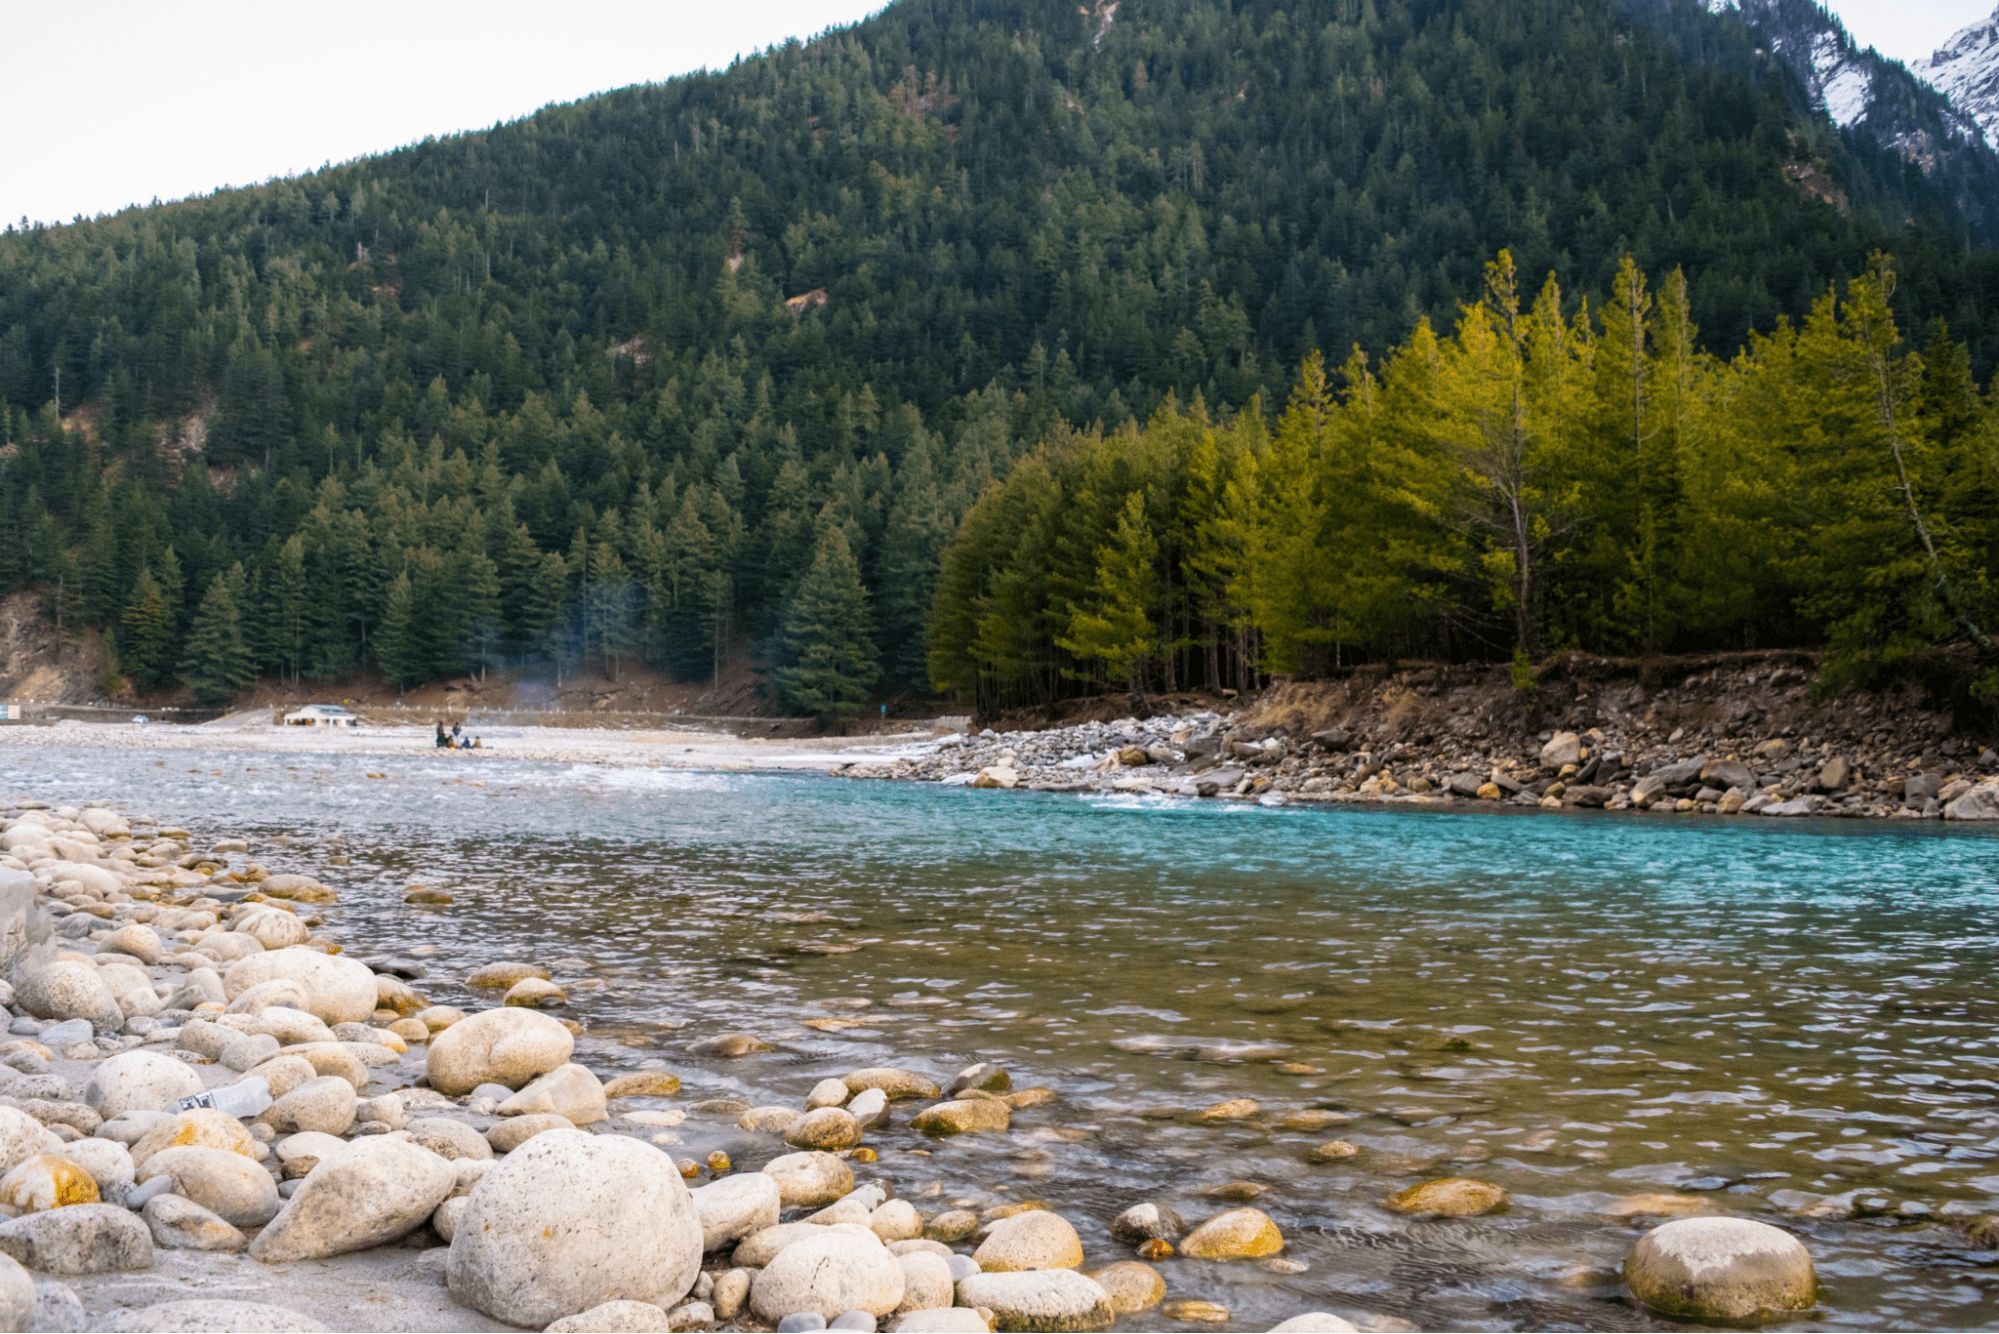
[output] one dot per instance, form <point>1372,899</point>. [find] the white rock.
<point>810,1179</point>
<point>1314,1322</point>
<point>139,1081</point>
<point>325,1104</point>
<point>926,1282</point>
<point>377,1189</point>
<point>79,1239</point>
<point>274,928</point>
<point>838,1271</point>
<point>510,1045</point>
<point>896,1220</point>
<point>762,1246</point>
<point>1036,1239</point>
<point>108,1162</point>
<point>1039,1299</point>
<point>66,989</point>
<point>445,1220</point>
<point>614,1318</point>
<point>247,1051</point>
<point>278,991</point>
<point>827,1093</point>
<point>568,1091</point>
<point>337,989</point>
<point>571,1220</point>
<point>22,1137</point>
<point>291,1027</point>
<point>313,1144</point>
<point>230,1184</point>
<point>945,1320</point>
<point>733,1207</point>
<point>1721,1270</point>
<point>136,939</point>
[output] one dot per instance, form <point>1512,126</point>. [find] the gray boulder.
<point>1680,774</point>
<point>1042,1299</point>
<point>569,1221</point>
<point>139,1081</point>
<point>735,1206</point>
<point>375,1190</point>
<point>1721,1271</point>
<point>66,989</point>
<point>844,1269</point>
<point>79,1239</point>
<point>1980,803</point>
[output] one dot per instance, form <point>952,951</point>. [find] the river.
<point>1788,1018</point>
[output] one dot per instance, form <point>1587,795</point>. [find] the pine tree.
<point>146,647</point>
<point>398,647</point>
<point>829,657</point>
<point>289,615</point>
<point>1116,627</point>
<point>218,660</point>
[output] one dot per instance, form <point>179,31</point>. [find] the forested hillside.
<point>1522,481</point>
<point>729,358</point>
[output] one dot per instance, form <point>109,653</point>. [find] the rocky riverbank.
<point>211,1118</point>
<point>1729,739</point>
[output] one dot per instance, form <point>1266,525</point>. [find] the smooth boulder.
<point>733,1207</point>
<point>1721,1270</point>
<point>1039,1299</point>
<point>504,1046</point>
<point>1239,1234</point>
<point>569,1091</point>
<point>338,990</point>
<point>373,1191</point>
<point>67,989</point>
<point>139,1081</point>
<point>1454,1197</point>
<point>1036,1239</point>
<point>235,1187</point>
<point>82,1239</point>
<point>811,1179</point>
<point>324,1104</point>
<point>571,1220</point>
<point>838,1271</point>
<point>179,1224</point>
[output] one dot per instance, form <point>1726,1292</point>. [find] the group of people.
<point>455,739</point>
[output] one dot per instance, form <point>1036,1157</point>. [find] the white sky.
<point>105,103</point>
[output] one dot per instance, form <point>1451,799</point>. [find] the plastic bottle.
<point>244,1098</point>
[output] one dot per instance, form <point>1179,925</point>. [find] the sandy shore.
<point>692,748</point>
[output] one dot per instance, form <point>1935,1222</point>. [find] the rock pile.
<point>1621,764</point>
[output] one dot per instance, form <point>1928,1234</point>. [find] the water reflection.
<point>1580,1008</point>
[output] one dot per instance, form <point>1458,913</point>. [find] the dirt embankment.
<point>37,665</point>
<point>1768,694</point>
<point>1683,700</point>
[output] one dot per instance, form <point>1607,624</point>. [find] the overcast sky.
<point>105,103</point>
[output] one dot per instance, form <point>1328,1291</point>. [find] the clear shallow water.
<point>1579,1008</point>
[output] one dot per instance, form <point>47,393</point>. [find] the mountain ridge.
<point>607,379</point>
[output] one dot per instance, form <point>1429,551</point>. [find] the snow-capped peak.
<point>1965,69</point>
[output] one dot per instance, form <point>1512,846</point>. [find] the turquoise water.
<point>1580,1007</point>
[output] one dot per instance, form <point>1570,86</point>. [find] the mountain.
<point>1886,111</point>
<point>601,383</point>
<point>1965,69</point>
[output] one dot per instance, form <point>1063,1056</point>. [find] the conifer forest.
<point>1008,350</point>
